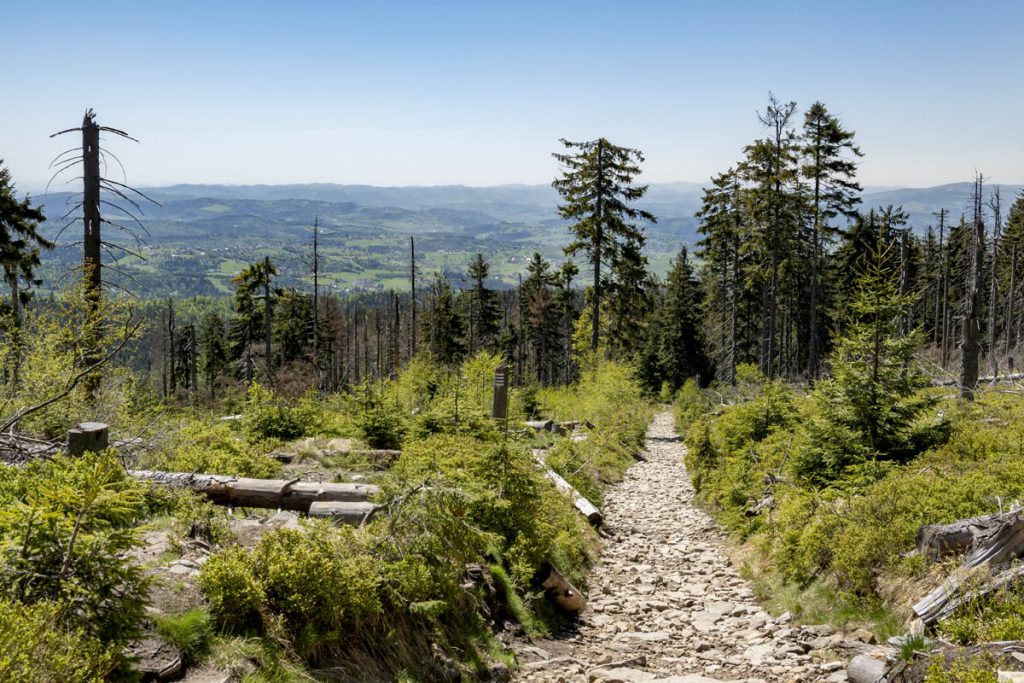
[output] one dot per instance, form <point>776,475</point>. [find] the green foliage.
<point>266,417</point>
<point>64,535</point>
<point>691,404</point>
<point>49,351</point>
<point>213,447</point>
<point>980,669</point>
<point>992,618</point>
<point>191,632</point>
<point>37,645</point>
<point>195,517</point>
<point>307,584</point>
<point>869,408</point>
<point>380,425</point>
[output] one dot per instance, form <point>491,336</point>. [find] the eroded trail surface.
<point>664,602</point>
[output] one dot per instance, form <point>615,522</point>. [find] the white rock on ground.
<point>665,605</point>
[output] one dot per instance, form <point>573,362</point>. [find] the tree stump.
<point>88,436</point>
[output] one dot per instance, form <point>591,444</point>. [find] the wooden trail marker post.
<point>499,407</point>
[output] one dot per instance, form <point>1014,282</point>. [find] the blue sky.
<point>424,93</point>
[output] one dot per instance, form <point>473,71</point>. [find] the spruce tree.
<point>682,351</point>
<point>20,242</point>
<point>722,224</point>
<point>771,169</point>
<point>869,407</point>
<point>598,191</point>
<point>484,313</point>
<point>834,192</point>
<point>443,325</point>
<point>214,348</point>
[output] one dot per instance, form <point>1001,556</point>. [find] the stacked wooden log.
<point>348,503</point>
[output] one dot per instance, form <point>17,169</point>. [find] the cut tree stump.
<point>937,541</point>
<point>261,493</point>
<point>88,436</point>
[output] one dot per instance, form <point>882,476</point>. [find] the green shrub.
<point>37,645</point>
<point>266,417</point>
<point>380,425</point>
<point>310,585</point>
<point>195,517</point>
<point>65,540</point>
<point>980,669</point>
<point>214,448</point>
<point>691,404</point>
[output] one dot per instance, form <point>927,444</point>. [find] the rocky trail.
<point>665,604</point>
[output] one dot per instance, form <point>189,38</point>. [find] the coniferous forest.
<point>292,484</point>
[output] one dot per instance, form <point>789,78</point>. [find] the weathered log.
<point>937,541</point>
<point>355,514</point>
<point>559,591</point>
<point>866,669</point>
<point>88,436</point>
<point>584,506</point>
<point>540,425</point>
<point>952,594</point>
<point>261,493</point>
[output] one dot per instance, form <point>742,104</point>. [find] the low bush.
<point>37,645</point>
<point>213,447</point>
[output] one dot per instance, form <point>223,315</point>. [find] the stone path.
<point>664,602</point>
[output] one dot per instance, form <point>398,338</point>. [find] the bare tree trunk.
<point>598,244</point>
<point>412,295</point>
<point>993,296</point>
<point>266,321</point>
<point>969,350</point>
<point>172,352</point>
<point>1011,341</point>
<point>945,297</point>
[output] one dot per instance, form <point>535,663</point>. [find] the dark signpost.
<point>499,409</point>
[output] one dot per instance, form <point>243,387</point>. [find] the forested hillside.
<point>275,476</point>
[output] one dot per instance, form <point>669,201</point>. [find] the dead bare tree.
<point>99,190</point>
<point>972,310</point>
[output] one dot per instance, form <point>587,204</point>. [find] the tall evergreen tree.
<point>834,192</point>
<point>722,224</point>
<point>598,190</point>
<point>214,349</point>
<point>484,311</point>
<point>540,309</point>
<point>771,169</point>
<point>20,242</point>
<point>443,325</point>
<point>682,351</point>
<point>254,301</point>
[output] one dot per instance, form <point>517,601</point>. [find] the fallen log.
<point>261,493</point>
<point>584,506</point>
<point>559,591</point>
<point>953,593</point>
<point>866,669</point>
<point>355,514</point>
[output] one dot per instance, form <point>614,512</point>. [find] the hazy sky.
<point>478,93</point>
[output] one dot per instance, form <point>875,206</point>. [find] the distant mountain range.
<point>200,235</point>
<point>196,210</point>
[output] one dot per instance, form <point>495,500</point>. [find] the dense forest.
<point>827,364</point>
